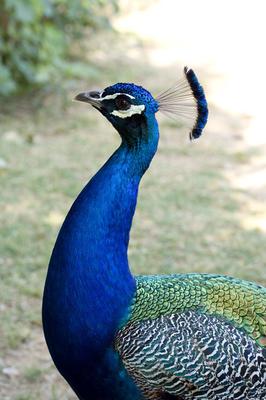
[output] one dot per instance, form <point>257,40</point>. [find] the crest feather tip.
<point>186,99</point>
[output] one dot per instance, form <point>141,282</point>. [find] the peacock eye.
<point>122,103</point>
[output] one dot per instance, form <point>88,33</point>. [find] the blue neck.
<point>89,285</point>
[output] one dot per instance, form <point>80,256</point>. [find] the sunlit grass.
<point>192,215</point>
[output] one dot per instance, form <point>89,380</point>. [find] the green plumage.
<point>240,302</point>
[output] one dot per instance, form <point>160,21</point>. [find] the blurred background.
<point>201,205</point>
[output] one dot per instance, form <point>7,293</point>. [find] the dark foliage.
<point>37,38</point>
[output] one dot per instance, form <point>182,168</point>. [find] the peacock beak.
<point>93,97</point>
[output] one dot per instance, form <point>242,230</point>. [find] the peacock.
<point>115,336</point>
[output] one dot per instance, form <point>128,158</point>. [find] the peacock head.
<point>128,107</point>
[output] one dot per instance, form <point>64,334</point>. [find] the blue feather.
<point>186,100</point>
<point>201,101</point>
<point>89,288</point>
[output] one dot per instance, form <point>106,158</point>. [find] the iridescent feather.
<point>196,336</point>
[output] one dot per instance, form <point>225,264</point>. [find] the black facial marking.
<point>135,131</point>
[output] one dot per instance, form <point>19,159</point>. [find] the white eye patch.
<point>134,109</point>
<point>114,96</point>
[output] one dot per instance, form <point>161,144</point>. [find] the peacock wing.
<point>242,303</point>
<point>193,335</point>
<point>192,356</point>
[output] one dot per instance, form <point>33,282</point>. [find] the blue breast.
<point>89,287</point>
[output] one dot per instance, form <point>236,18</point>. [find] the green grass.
<point>190,217</point>
<point>33,374</point>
